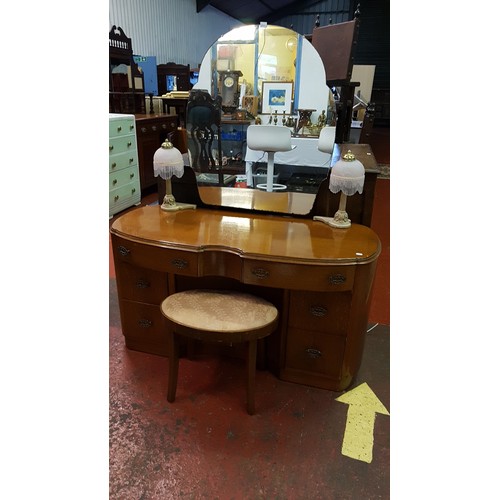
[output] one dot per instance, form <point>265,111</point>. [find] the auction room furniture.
<point>124,181</point>
<point>319,278</point>
<point>152,130</point>
<point>209,316</point>
<point>126,82</point>
<point>336,44</point>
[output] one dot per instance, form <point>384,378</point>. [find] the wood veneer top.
<point>274,238</point>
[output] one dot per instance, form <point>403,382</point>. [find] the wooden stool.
<point>221,316</point>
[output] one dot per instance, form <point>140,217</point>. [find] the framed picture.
<point>277,96</point>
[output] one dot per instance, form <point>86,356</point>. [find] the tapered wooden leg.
<point>251,362</point>
<point>173,366</point>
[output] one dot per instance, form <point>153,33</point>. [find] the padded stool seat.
<point>218,316</point>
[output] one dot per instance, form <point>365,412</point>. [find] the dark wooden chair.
<point>204,133</point>
<point>219,316</point>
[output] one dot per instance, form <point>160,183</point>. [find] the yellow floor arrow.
<point>358,435</point>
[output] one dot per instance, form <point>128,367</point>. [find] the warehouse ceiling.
<point>255,11</point>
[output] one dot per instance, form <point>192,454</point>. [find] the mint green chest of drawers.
<point>124,180</point>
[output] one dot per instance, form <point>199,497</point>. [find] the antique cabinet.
<point>152,130</point>
<point>124,181</point>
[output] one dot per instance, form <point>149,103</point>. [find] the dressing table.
<point>319,278</point>
<point>265,243</point>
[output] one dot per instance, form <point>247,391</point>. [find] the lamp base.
<point>170,205</point>
<point>339,220</point>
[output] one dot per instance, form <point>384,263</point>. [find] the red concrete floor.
<point>204,445</point>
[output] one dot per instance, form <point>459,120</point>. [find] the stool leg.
<point>173,366</point>
<point>251,362</point>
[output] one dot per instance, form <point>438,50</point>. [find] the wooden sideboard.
<point>152,130</point>
<point>319,278</point>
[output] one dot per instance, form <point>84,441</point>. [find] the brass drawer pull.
<point>142,283</point>
<point>154,128</point>
<point>145,323</point>
<point>313,353</point>
<point>319,311</point>
<point>144,130</point>
<point>123,250</point>
<point>260,273</point>
<point>336,279</point>
<point>179,263</point>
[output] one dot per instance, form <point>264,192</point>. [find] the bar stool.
<point>221,316</point>
<point>270,139</point>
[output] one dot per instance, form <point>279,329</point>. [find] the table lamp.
<point>348,177</point>
<point>326,139</point>
<point>167,162</point>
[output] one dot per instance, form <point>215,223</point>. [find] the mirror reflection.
<point>268,76</point>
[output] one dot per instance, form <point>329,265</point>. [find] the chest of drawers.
<point>124,180</point>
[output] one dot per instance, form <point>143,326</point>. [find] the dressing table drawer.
<point>313,355</point>
<point>298,277</point>
<point>144,327</point>
<point>320,311</point>
<point>142,285</point>
<point>156,258</point>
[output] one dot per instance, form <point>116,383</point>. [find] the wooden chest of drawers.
<point>124,182</point>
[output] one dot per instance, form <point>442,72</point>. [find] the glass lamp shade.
<point>168,161</point>
<point>347,175</point>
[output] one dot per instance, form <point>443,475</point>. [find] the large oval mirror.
<point>273,77</point>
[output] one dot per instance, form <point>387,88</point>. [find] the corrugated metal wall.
<point>171,30</point>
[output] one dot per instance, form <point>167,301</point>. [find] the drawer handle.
<point>131,175</point>
<point>319,311</point>
<point>142,284</point>
<point>111,148</point>
<point>119,129</point>
<point>116,197</point>
<point>130,160</point>
<point>129,144</point>
<point>131,127</point>
<point>144,130</point>
<point>145,323</point>
<point>163,126</point>
<point>113,165</point>
<point>123,250</point>
<point>179,263</point>
<point>154,128</point>
<point>260,273</point>
<point>313,353</point>
<point>336,279</point>
<point>114,181</point>
<point>133,190</point>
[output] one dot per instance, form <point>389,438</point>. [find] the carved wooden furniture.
<point>218,316</point>
<point>152,130</point>
<point>204,133</point>
<point>319,278</point>
<point>126,90</point>
<point>124,184</point>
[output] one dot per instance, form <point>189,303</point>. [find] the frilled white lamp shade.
<point>348,177</point>
<point>326,139</point>
<point>167,162</point>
